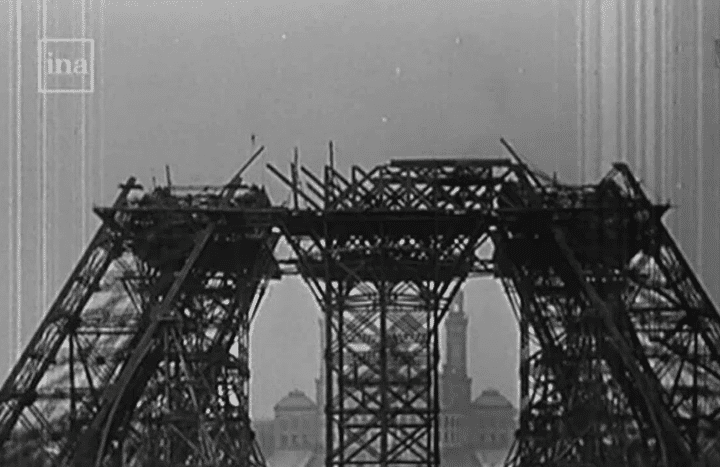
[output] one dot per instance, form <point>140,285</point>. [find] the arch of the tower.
<point>143,357</point>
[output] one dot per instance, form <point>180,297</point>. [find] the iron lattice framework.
<point>619,362</point>
<point>142,359</point>
<point>384,253</point>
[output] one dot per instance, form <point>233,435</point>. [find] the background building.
<point>475,433</point>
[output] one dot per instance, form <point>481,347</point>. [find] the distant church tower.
<point>456,385</point>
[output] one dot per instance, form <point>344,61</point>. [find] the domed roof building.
<point>491,398</point>
<point>494,427</point>
<point>291,438</point>
<point>296,400</point>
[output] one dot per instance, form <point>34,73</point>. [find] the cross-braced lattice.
<point>384,253</point>
<point>142,359</point>
<point>154,369</point>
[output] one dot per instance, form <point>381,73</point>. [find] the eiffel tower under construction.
<point>142,359</point>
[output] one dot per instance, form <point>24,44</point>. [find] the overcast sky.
<point>186,83</point>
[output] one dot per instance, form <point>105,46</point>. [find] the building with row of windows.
<point>477,433</point>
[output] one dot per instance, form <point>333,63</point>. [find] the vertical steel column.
<point>381,287</point>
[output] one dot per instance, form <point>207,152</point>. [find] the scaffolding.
<point>143,358</point>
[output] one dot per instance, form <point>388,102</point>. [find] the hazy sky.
<point>186,83</point>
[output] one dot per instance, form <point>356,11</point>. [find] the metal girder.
<point>676,328</point>
<point>381,357</point>
<point>594,390</point>
<point>384,253</point>
<point>59,360</point>
<point>192,357</point>
<point>142,360</point>
<point>594,387</point>
<point>157,372</point>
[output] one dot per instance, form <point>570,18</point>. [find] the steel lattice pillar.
<point>618,339</point>
<point>381,359</point>
<point>572,408</point>
<point>674,326</point>
<point>71,357</point>
<point>192,358</point>
<point>384,253</point>
<point>155,361</point>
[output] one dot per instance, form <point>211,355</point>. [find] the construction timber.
<point>143,358</point>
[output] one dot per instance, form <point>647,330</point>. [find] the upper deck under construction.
<point>142,360</point>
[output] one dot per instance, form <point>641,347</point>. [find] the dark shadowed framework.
<point>143,357</point>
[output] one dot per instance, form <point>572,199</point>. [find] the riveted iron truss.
<point>618,339</point>
<point>619,362</point>
<point>384,252</point>
<point>142,359</point>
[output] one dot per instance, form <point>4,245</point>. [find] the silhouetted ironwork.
<point>142,359</point>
